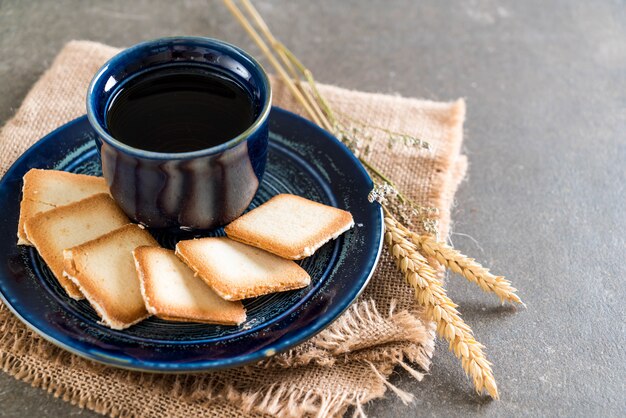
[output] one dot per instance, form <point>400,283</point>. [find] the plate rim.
<point>283,344</point>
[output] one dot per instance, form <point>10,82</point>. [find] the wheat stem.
<point>288,60</point>
<point>429,292</point>
<point>272,59</point>
<point>293,65</point>
<point>323,105</point>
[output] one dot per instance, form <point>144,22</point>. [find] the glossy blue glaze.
<point>303,160</point>
<point>193,190</point>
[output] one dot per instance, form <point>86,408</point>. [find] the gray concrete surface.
<point>545,83</point>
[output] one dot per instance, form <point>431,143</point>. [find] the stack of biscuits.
<point>97,253</point>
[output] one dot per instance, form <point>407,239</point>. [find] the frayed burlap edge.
<point>332,347</point>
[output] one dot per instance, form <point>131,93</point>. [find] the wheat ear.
<point>430,293</point>
<point>467,267</point>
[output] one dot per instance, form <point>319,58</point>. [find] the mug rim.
<point>109,139</point>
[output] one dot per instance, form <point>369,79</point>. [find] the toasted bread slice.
<point>290,226</point>
<point>171,291</point>
<point>67,226</point>
<point>104,271</point>
<point>46,189</point>
<point>237,271</point>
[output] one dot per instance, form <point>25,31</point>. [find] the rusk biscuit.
<point>104,271</point>
<point>238,271</point>
<point>67,226</point>
<point>171,291</point>
<point>290,226</point>
<point>46,189</point>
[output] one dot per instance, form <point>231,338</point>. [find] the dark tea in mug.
<point>182,129</point>
<point>179,109</point>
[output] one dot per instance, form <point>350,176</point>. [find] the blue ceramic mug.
<point>189,190</point>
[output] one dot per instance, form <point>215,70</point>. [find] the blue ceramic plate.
<point>303,160</point>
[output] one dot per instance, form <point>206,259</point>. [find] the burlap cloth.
<point>347,364</point>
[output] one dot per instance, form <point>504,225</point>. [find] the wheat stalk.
<point>430,293</point>
<point>465,266</point>
<point>403,244</point>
